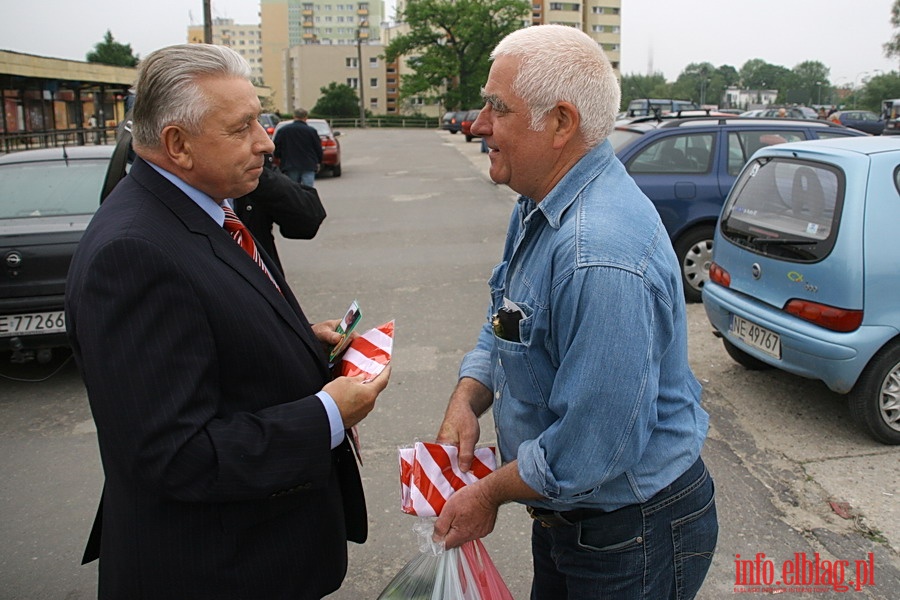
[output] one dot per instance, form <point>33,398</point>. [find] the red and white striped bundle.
<point>369,353</point>
<point>429,474</point>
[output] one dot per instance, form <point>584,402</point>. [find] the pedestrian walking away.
<point>222,431</point>
<point>583,353</point>
<point>298,149</point>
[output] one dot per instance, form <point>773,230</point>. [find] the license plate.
<point>757,337</point>
<point>32,323</point>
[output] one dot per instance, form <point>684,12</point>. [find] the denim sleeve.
<point>604,394</point>
<point>477,363</point>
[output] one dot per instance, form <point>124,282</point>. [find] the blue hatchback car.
<point>806,271</point>
<point>687,166</point>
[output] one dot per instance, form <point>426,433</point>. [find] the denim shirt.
<point>596,400</point>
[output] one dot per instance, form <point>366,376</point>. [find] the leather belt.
<point>553,518</point>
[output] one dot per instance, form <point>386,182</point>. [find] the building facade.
<point>600,19</point>
<point>243,39</point>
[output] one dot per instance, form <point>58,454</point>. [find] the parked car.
<point>791,112</point>
<point>864,120</point>
<point>890,112</point>
<point>48,198</point>
<point>641,107</point>
<point>466,125</point>
<point>452,121</point>
<point>804,275</point>
<point>331,146</point>
<point>687,166</point>
<point>269,121</point>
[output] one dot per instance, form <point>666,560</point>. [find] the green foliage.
<point>644,86</point>
<point>111,52</point>
<point>892,47</point>
<point>337,100</point>
<point>449,44</point>
<point>880,87</point>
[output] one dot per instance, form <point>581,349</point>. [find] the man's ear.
<point>567,123</point>
<point>176,144</point>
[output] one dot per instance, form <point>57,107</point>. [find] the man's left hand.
<point>468,515</point>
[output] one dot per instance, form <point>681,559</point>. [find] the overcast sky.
<point>659,36</point>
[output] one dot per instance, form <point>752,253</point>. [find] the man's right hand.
<point>460,427</point>
<point>354,398</point>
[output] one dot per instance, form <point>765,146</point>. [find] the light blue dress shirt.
<point>597,400</point>
<point>214,210</point>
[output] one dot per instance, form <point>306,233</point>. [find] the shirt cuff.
<point>334,418</point>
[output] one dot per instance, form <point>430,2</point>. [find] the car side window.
<point>742,145</point>
<point>687,154</point>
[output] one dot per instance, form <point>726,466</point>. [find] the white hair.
<point>560,63</point>
<point>168,92</point>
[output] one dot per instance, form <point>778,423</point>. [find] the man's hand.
<point>460,426</point>
<point>354,398</point>
<point>325,332</point>
<point>468,515</point>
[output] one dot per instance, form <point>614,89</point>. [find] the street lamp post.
<point>362,101</point>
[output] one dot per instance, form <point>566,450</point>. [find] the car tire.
<point>336,171</point>
<point>875,399</point>
<point>694,252</point>
<point>453,131</point>
<point>469,138</point>
<point>751,363</point>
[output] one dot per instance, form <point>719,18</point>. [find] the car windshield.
<point>786,208</point>
<point>320,126</point>
<point>42,189</point>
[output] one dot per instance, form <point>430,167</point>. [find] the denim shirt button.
<point>497,395</point>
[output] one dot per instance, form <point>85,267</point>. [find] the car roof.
<point>866,144</point>
<point>645,124</point>
<point>59,153</point>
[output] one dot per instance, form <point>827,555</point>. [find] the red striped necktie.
<point>242,236</point>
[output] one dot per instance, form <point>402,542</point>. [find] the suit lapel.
<point>229,252</point>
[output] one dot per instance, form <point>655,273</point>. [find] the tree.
<point>449,44</point>
<point>757,74</point>
<point>111,52</point>
<point>892,48</point>
<point>635,87</point>
<point>337,100</point>
<point>880,87</point>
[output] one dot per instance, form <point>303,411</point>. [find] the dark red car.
<point>466,125</point>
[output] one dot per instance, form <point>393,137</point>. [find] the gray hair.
<point>167,90</point>
<point>560,63</point>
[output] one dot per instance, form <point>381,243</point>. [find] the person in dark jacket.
<point>298,149</point>
<point>294,207</point>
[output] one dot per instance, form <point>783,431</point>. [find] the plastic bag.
<point>464,573</point>
<point>429,474</point>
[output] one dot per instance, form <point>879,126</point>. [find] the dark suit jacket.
<point>201,378</point>
<point>278,199</point>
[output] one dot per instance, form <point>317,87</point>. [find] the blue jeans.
<point>658,550</point>
<point>307,178</point>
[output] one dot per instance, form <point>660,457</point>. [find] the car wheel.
<point>751,363</point>
<point>469,138</point>
<point>453,131</point>
<point>336,171</point>
<point>694,252</point>
<point>875,399</point>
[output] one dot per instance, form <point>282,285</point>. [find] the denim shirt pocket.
<point>515,360</point>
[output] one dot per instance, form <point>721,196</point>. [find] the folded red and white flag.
<point>429,475</point>
<point>369,353</point>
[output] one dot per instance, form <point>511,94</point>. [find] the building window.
<point>373,62</point>
<point>373,82</point>
<point>351,62</point>
<point>353,83</point>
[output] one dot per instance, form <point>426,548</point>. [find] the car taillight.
<point>270,130</point>
<point>829,317</point>
<point>326,141</point>
<point>719,275</point>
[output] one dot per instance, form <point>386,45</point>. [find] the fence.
<point>29,140</point>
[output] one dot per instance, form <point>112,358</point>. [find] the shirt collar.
<point>204,201</point>
<point>564,193</point>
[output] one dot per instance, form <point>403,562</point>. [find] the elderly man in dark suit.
<point>221,428</point>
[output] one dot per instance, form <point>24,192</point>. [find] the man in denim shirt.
<point>584,353</point>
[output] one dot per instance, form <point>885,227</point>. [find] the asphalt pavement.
<point>414,226</point>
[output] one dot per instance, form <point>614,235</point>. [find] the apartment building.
<point>302,46</point>
<point>243,39</point>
